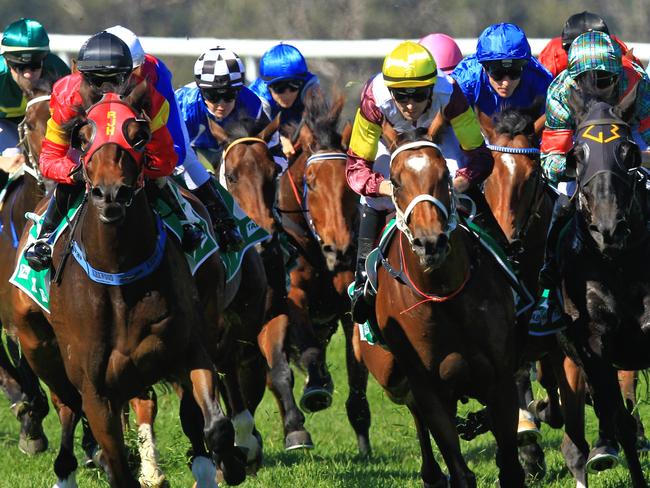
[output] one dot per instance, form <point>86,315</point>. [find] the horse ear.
<point>624,108</point>
<point>136,96</point>
<point>576,102</point>
<point>270,129</point>
<point>629,54</point>
<point>346,134</point>
<point>73,66</point>
<point>539,125</point>
<point>487,126</point>
<point>218,132</point>
<point>337,107</point>
<point>434,129</point>
<point>390,136</point>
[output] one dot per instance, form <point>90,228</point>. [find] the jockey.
<point>104,65</point>
<point>444,50</point>
<point>218,94</point>
<point>407,94</point>
<point>594,59</point>
<point>554,54</point>
<point>502,73</point>
<point>283,85</point>
<point>26,59</point>
<point>196,177</point>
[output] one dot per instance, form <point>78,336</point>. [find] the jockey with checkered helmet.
<point>218,95</point>
<point>26,62</point>
<point>408,94</point>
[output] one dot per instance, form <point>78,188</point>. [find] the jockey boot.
<point>39,254</point>
<point>369,225</point>
<point>192,235</point>
<point>548,317</point>
<point>225,227</point>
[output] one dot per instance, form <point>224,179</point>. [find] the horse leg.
<point>628,381</point>
<point>271,341</point>
<point>28,400</point>
<point>571,383</point>
<point>549,410</point>
<point>145,407</point>
<point>356,405</point>
<point>611,409</point>
<point>106,423</point>
<point>65,464</point>
<point>503,413</point>
<point>430,472</point>
<point>530,452</point>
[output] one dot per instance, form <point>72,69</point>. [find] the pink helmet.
<point>444,50</point>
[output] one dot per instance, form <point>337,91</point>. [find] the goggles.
<point>417,95</point>
<point>216,95</point>
<point>604,79</point>
<point>21,67</point>
<point>97,80</point>
<point>283,86</point>
<point>498,70</point>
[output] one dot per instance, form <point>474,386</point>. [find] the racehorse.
<point>447,320</point>
<point>250,174</point>
<point>605,287</point>
<point>101,344</point>
<point>28,401</point>
<point>319,213</point>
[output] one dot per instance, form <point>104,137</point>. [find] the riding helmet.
<point>25,41</point>
<point>105,53</point>
<point>502,41</point>
<point>219,68</point>
<point>444,50</point>
<point>131,40</point>
<point>283,62</point>
<point>579,24</point>
<point>409,65</point>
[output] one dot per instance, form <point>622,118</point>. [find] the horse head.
<point>248,167</point>
<point>34,125</point>
<point>111,138</point>
<point>329,204</point>
<point>515,187</point>
<point>425,202</point>
<point>604,161</point>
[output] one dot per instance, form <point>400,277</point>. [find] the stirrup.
<point>39,255</point>
<point>228,235</point>
<point>192,238</point>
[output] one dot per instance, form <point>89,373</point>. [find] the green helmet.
<point>25,41</point>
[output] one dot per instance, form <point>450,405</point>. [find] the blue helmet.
<point>502,41</point>
<point>283,62</point>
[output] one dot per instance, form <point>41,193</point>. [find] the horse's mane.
<point>517,121</point>
<point>416,134</point>
<point>243,125</point>
<point>322,118</point>
<point>43,86</point>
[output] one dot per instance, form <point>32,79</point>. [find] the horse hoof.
<point>233,466</point>
<point>69,482</point>
<point>601,459</point>
<point>441,483</point>
<point>254,465</point>
<point>542,410</point>
<point>315,398</point>
<point>299,439</point>
<point>32,446</point>
<point>642,445</point>
<point>527,432</point>
<point>531,458</point>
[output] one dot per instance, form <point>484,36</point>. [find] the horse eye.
<point>230,178</point>
<point>395,184</point>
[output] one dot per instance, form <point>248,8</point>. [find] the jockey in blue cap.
<point>502,73</point>
<point>283,84</point>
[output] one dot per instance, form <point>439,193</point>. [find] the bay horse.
<point>27,187</point>
<point>250,174</point>
<point>103,344</point>
<point>605,286</point>
<point>319,213</point>
<point>447,321</point>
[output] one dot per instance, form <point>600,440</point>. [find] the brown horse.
<point>319,213</point>
<point>250,174</point>
<point>448,320</point>
<point>118,340</point>
<point>28,401</point>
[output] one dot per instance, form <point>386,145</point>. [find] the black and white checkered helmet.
<point>219,68</point>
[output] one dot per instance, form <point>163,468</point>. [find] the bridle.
<point>402,216</point>
<point>31,165</point>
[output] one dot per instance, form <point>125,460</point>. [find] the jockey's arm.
<point>467,129</point>
<point>54,162</point>
<point>557,138</point>
<point>160,152</point>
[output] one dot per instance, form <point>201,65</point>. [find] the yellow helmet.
<point>409,65</point>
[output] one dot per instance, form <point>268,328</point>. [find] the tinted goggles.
<point>214,95</point>
<point>98,79</point>
<point>21,67</point>
<point>603,79</point>
<point>498,73</point>
<point>417,95</point>
<point>283,86</point>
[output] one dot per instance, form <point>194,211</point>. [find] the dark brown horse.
<point>250,174</point>
<point>28,401</point>
<point>319,212</point>
<point>606,284</point>
<point>102,344</point>
<point>448,320</point>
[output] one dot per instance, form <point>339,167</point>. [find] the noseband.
<point>401,217</point>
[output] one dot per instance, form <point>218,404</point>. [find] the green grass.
<point>333,463</point>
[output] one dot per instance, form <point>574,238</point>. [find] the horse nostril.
<point>328,249</point>
<point>622,230</point>
<point>97,193</point>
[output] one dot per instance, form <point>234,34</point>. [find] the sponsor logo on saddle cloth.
<point>36,284</point>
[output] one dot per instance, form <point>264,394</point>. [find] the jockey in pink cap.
<point>444,50</point>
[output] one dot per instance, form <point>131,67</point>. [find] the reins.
<point>240,141</point>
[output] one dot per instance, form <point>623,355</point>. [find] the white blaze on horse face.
<point>417,163</point>
<point>510,163</point>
